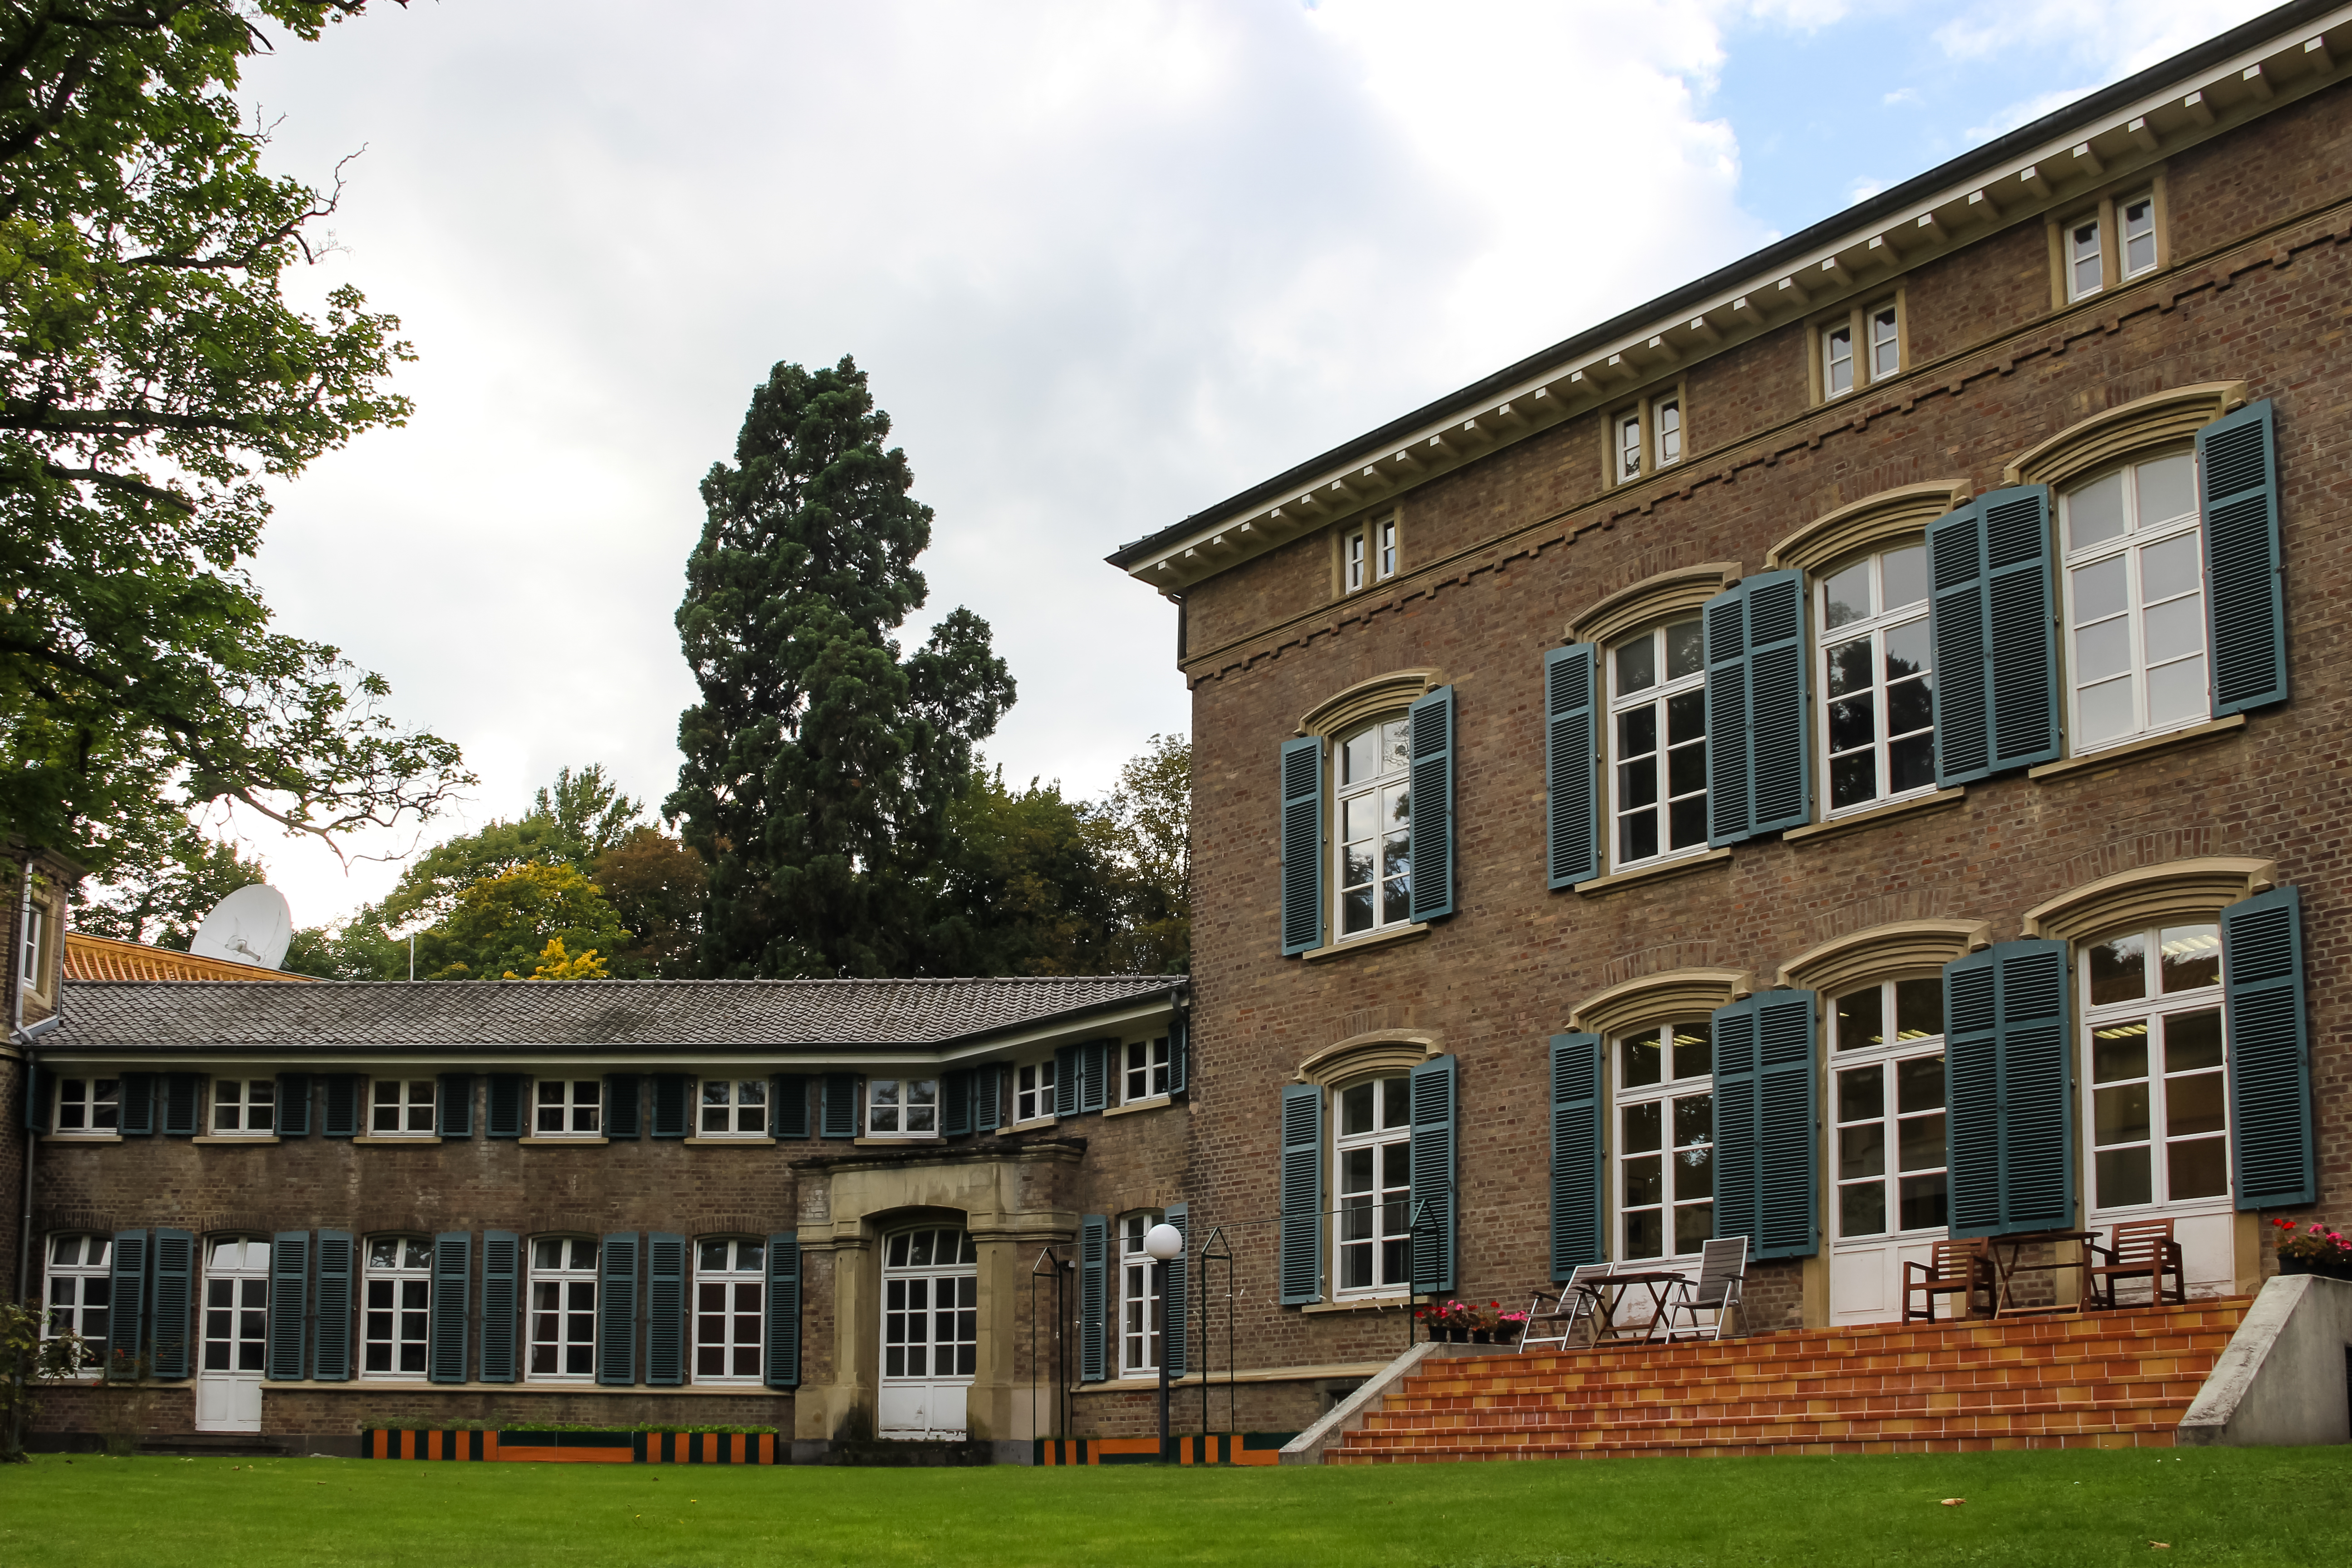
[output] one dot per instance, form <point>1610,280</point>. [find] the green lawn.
<point>2262,1506</point>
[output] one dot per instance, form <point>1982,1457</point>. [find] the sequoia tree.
<point>822,759</point>
<point>151,376</point>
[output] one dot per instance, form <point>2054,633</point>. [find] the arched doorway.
<point>930,1323</point>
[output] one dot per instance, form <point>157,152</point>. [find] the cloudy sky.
<point>1107,263</point>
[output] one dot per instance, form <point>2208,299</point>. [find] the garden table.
<point>1608,1295</point>
<point>2007,1268</point>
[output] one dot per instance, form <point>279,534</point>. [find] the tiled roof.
<point>91,957</point>
<point>493,1014</point>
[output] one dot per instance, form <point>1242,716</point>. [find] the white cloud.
<point>1905,95</point>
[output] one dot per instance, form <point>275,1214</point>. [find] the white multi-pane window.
<point>89,1105</point>
<point>729,1291</point>
<point>1665,1140</point>
<point>1146,1069</point>
<point>1139,1297</point>
<point>2137,215</point>
<point>1374,844</point>
<point>1878,733</point>
<point>562,1309</point>
<point>1032,1091</point>
<point>1658,743</point>
<point>1384,549</point>
<point>1666,421</point>
<point>79,1291</point>
<point>395,1298</point>
<point>734,1108</point>
<point>2156,1067</point>
<point>568,1107</point>
<point>1886,1043</point>
<point>1356,561</point>
<point>236,1305</point>
<point>29,958</point>
<point>2135,591</point>
<point>1837,360</point>
<point>1372,1173</point>
<point>399,1106</point>
<point>2085,257</point>
<point>1626,444</point>
<point>243,1105</point>
<point>902,1107</point>
<point>1885,341</point>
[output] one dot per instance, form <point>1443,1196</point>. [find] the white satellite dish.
<point>252,925</point>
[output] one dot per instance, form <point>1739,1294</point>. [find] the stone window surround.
<point>1660,998</point>
<point>1655,598</point>
<point>2104,203</point>
<point>1896,516</point>
<point>2161,418</point>
<point>2195,888</point>
<point>1898,950</point>
<point>1379,1051</point>
<point>1366,700</point>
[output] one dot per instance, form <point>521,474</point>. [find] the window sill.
<point>1917,806</point>
<point>81,1137</point>
<point>1658,873</point>
<point>557,1143</point>
<point>381,1383</point>
<point>895,1140</point>
<point>2146,746</point>
<point>737,1142</point>
<point>1388,938</point>
<point>1031,1125</point>
<point>395,1138</point>
<point>1156,1102</point>
<point>235,1138</point>
<point>1358,1304</point>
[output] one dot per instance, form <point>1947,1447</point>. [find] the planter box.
<point>2310,1266</point>
<point>577,1448</point>
<point>1217,1448</point>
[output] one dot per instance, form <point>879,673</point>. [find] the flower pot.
<point>1457,1336</point>
<point>1481,1337</point>
<point>2327,1268</point>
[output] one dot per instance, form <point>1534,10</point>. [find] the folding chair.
<point>1570,1307</point>
<point>1722,1270</point>
<point>2138,1249</point>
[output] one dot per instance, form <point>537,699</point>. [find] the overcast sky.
<point>1106,263</point>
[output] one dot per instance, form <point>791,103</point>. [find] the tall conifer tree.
<point>820,763</point>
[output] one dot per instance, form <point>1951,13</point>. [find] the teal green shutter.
<point>1095,1064</point>
<point>1302,845</point>
<point>290,1278</point>
<point>1431,1091</point>
<point>1759,770</point>
<point>343,1118</point>
<point>616,1311</point>
<point>456,1110</point>
<point>332,1339</point>
<point>2245,587</point>
<point>183,1104</point>
<point>2008,1077</point>
<point>1788,1128</point>
<point>1723,624</point>
<point>1302,1194</point>
<point>501,1301</point>
<point>39,1086</point>
<point>1180,1053</point>
<point>784,1348</point>
<point>1177,1297</point>
<point>1971,1096</point>
<point>175,1273</point>
<point>788,1108</point>
<point>1576,1153</point>
<point>293,1105</point>
<point>126,1315</point>
<point>1430,828</point>
<point>1995,635</point>
<point>988,1098</point>
<point>839,1109</point>
<point>2271,1140</point>
<point>955,1102</point>
<point>1571,796</point>
<point>138,1115</point>
<point>673,1104</point>
<point>1956,631</point>
<point>1734,1028</point>
<point>1066,1081</point>
<point>1094,1298</point>
<point>665,1310</point>
<point>453,1269</point>
<point>623,1105</point>
<point>504,1107</point>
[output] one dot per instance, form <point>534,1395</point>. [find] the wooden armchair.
<point>1956,1268</point>
<point>2137,1249</point>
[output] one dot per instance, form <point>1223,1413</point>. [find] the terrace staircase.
<point>2120,1379</point>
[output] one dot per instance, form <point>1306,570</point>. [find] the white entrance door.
<point>1886,1145</point>
<point>235,1336</point>
<point>930,1320</point>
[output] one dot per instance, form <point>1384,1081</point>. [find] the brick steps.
<point>2114,1379</point>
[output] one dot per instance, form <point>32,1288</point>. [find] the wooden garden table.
<point>2006,1269</point>
<point>1607,1293</point>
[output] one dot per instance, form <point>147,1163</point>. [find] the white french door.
<point>235,1336</point>
<point>930,1318</point>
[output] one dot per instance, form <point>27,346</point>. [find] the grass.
<point>2283,1505</point>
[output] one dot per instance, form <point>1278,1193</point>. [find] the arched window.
<point>1878,727</point>
<point>1657,744</point>
<point>1666,1140</point>
<point>1373,847</point>
<point>2154,1069</point>
<point>1371,1179</point>
<point>2135,598</point>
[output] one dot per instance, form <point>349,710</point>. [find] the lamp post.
<point>1161,1243</point>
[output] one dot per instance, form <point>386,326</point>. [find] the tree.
<point>555,963</point>
<point>151,374</point>
<point>163,900</point>
<point>656,886</point>
<point>1145,833</point>
<point>507,922</point>
<point>822,761</point>
<point>590,812</point>
<point>1024,886</point>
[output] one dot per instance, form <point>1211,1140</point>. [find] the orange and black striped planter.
<point>1217,1448</point>
<point>576,1448</point>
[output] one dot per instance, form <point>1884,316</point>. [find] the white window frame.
<point>235,1317</point>
<point>570,1110</point>
<point>1885,1058</point>
<point>564,1278</point>
<point>2132,544</point>
<point>1384,549</point>
<point>2128,230</point>
<point>1880,620</point>
<point>731,1276</point>
<point>1839,361</point>
<point>36,919</point>
<point>407,1279</point>
<point>1139,1297</point>
<point>911,1111</point>
<point>1355,560</point>
<point>1666,436</point>
<point>405,1106</point>
<point>1664,1094</point>
<point>1658,696</point>
<point>2076,252</point>
<point>1881,325</point>
<point>739,1099</point>
<point>96,1104</point>
<point>73,1317</point>
<point>1627,447</point>
<point>1373,1223</point>
<point>2154,1005</point>
<point>1032,1091</point>
<point>243,1108</point>
<point>1389,787</point>
<point>1146,1070</point>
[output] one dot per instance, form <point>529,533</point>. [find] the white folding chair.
<point>1571,1306</point>
<point>1722,1268</point>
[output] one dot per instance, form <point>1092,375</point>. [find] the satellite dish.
<point>252,925</point>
